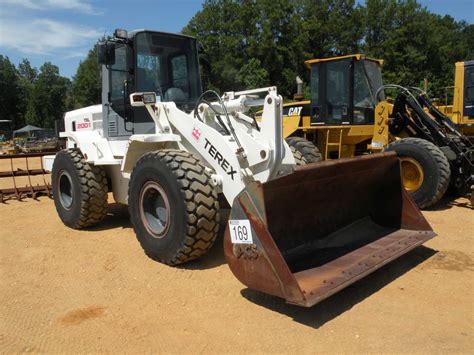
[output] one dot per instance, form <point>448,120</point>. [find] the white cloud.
<point>74,5</point>
<point>29,4</point>
<point>46,37</point>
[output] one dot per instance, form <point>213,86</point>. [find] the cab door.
<point>468,104</point>
<point>331,92</point>
<point>116,105</point>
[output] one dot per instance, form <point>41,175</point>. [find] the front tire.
<point>425,169</point>
<point>79,190</point>
<point>173,206</point>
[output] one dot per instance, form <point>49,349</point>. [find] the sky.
<point>63,31</point>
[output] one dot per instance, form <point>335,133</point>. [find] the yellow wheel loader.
<point>461,108</point>
<point>348,115</point>
<point>169,151</point>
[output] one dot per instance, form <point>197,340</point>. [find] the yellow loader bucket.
<point>309,234</point>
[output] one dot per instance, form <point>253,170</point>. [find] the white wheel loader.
<point>300,232</point>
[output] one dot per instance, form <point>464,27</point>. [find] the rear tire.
<point>433,180</point>
<point>79,190</point>
<point>173,206</point>
<point>307,149</point>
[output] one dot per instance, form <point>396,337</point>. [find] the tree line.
<point>39,97</point>
<point>254,43</point>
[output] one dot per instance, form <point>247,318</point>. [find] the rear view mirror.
<point>142,99</point>
<point>106,53</point>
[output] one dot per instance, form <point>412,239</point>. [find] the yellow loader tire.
<point>425,170</point>
<point>307,149</point>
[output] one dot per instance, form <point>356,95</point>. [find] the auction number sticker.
<point>240,231</point>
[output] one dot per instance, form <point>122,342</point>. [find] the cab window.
<point>337,91</point>
<point>364,99</point>
<point>179,66</point>
<point>118,73</point>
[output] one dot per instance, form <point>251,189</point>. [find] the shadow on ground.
<point>344,300</point>
<point>450,201</point>
<point>117,217</point>
<point>7,200</point>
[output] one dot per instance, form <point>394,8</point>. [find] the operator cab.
<point>468,90</point>
<point>343,90</point>
<point>146,61</point>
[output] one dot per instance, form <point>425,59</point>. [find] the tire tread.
<point>308,150</point>
<point>200,200</point>
<point>93,188</point>
<point>443,167</point>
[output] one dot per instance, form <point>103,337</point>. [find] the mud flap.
<point>323,227</point>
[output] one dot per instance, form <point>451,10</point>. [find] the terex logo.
<point>224,164</point>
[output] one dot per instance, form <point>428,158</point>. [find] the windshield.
<point>374,74</point>
<point>367,80</point>
<point>167,65</point>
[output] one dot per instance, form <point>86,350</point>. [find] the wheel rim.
<point>66,192</point>
<point>154,209</point>
<point>412,174</point>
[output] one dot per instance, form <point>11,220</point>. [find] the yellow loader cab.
<point>348,115</point>
<point>461,111</point>
<point>340,114</point>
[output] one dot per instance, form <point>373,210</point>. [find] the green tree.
<point>47,102</point>
<point>218,26</point>
<point>27,72</point>
<point>250,43</point>
<point>280,34</point>
<point>86,86</point>
<point>11,95</point>
<point>467,40</point>
<point>26,83</point>
<point>252,75</point>
<point>414,43</point>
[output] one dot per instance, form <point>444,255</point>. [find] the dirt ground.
<point>95,291</point>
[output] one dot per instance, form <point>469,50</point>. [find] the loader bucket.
<point>323,227</point>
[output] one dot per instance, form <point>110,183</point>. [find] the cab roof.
<point>133,33</point>
<point>310,62</point>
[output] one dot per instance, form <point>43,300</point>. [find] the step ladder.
<point>337,144</point>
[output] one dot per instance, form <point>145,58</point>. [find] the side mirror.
<point>122,34</point>
<point>106,53</point>
<point>142,98</point>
